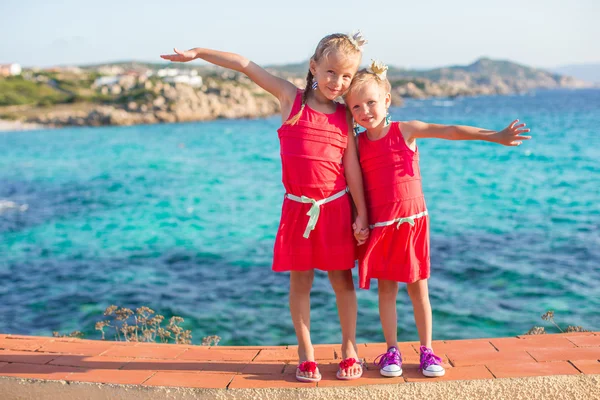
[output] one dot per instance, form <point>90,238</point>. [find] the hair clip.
<point>357,39</point>
<point>378,68</point>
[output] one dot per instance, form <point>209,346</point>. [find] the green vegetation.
<point>62,88</point>
<point>18,91</point>
<point>401,82</point>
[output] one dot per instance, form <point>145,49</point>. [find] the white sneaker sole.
<point>430,374</point>
<point>390,374</point>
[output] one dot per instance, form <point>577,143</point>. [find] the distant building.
<point>187,76</point>
<point>110,70</point>
<point>194,81</point>
<point>10,69</point>
<point>106,81</point>
<point>167,72</point>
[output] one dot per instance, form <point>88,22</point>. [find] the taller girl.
<point>319,165</point>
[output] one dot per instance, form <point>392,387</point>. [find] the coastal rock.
<point>172,104</point>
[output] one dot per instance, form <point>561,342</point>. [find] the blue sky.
<point>418,34</point>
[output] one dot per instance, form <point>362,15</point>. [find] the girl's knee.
<point>341,280</point>
<point>387,287</point>
<point>302,280</point>
<point>418,291</point>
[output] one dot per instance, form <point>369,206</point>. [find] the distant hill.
<point>296,69</point>
<point>484,67</point>
<point>68,96</point>
<point>586,72</point>
<point>483,71</point>
<point>151,65</point>
<point>485,76</point>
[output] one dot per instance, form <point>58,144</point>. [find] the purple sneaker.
<point>431,365</point>
<point>390,362</point>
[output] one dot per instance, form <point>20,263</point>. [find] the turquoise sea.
<point>182,218</point>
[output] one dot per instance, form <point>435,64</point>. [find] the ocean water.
<point>182,218</point>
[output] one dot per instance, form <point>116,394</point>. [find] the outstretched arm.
<point>285,91</point>
<point>509,136</point>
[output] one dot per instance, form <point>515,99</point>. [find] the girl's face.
<point>368,104</point>
<point>334,73</point>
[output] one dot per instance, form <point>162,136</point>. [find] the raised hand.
<point>180,56</point>
<point>512,134</point>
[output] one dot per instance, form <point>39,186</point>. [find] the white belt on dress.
<point>409,220</point>
<point>315,209</point>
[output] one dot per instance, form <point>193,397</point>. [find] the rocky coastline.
<point>137,99</point>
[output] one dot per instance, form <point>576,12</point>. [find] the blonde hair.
<point>377,73</point>
<point>349,45</point>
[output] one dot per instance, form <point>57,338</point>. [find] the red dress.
<point>311,158</point>
<point>397,251</point>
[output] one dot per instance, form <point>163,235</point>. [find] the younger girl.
<point>319,163</point>
<point>398,247</point>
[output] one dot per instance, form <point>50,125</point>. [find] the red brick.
<point>590,367</point>
<point>190,379</point>
<point>454,346</point>
<point>257,348</point>
<point>259,368</point>
<point>222,366</point>
<point>110,376</point>
<point>49,372</point>
<point>287,381</point>
<point>88,348</point>
<point>145,351</point>
<point>21,344</point>
<point>518,370</point>
<point>10,336</point>
<point>93,362</point>
<point>327,352</point>
<point>215,354</point>
<point>578,353</point>
<point>26,357</point>
<point>284,355</point>
<point>464,358</point>
<point>323,352</point>
<point>412,373</point>
<point>514,344</point>
<point>182,365</point>
<point>372,377</point>
<point>165,345</point>
<point>585,341</point>
<point>570,334</point>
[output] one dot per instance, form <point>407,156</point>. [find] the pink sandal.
<point>307,366</point>
<point>345,365</point>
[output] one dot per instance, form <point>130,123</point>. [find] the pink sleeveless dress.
<point>311,158</point>
<point>397,249</point>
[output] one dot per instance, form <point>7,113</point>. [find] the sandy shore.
<point>6,126</point>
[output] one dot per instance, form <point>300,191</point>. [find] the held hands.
<point>511,135</point>
<point>180,56</point>
<point>361,230</point>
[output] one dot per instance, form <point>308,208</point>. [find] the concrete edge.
<point>557,387</point>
